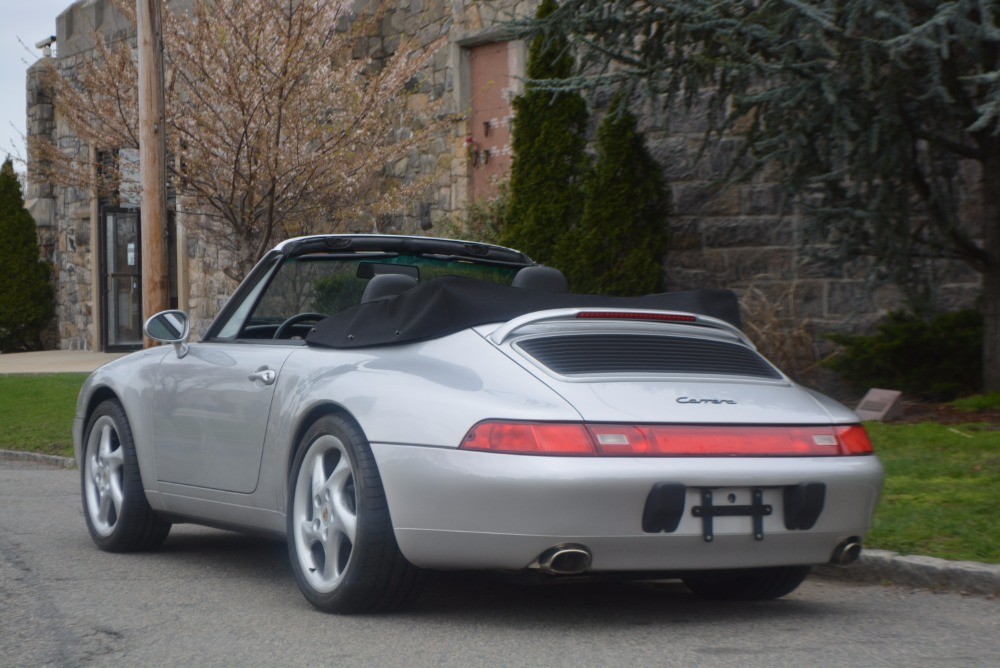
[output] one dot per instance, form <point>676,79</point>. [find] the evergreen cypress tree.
<point>26,301</point>
<point>618,246</point>
<point>549,143</point>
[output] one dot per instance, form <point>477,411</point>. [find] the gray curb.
<point>51,461</point>
<point>874,566</point>
<point>881,566</point>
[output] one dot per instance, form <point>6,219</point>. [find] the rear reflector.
<point>611,440</point>
<point>854,440</point>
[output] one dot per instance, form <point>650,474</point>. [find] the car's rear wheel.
<point>751,584</point>
<point>340,538</point>
<point>114,504</point>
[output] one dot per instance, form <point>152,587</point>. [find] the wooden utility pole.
<point>152,159</point>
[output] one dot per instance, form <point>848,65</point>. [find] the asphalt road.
<point>217,598</point>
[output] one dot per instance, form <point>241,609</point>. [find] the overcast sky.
<point>27,21</point>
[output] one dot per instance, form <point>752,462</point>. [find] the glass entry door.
<point>122,280</point>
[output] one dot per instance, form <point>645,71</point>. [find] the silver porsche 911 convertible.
<point>391,404</point>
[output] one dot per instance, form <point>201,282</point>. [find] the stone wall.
<point>442,92</point>
<point>40,194</point>
<point>739,237</point>
<point>206,261</point>
<point>63,217</point>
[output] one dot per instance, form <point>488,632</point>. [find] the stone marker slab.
<point>881,405</point>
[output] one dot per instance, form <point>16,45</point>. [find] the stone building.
<point>732,237</point>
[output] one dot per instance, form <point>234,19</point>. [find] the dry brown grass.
<point>771,320</point>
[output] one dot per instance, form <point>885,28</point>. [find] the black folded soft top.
<point>451,304</point>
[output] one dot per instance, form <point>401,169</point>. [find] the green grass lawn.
<point>942,492</point>
<point>36,412</point>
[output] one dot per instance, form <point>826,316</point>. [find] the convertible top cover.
<point>450,304</point>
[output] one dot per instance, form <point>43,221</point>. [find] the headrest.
<point>546,279</point>
<point>387,285</point>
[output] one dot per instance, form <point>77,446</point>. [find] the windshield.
<point>306,288</point>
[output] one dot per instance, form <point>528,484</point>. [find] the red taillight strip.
<point>628,315</point>
<point>530,438</point>
<point>612,440</point>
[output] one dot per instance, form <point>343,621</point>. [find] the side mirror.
<point>170,327</point>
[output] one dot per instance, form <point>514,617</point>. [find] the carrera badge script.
<point>689,400</point>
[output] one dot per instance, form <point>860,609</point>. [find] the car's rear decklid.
<point>651,367</point>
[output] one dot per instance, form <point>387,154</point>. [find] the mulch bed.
<point>918,411</point>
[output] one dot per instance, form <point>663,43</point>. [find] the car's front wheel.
<point>114,504</point>
<point>750,584</point>
<point>340,538</point>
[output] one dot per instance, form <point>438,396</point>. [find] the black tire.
<point>751,584</point>
<point>334,483</point>
<point>118,516</point>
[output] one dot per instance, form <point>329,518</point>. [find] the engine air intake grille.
<point>586,354</point>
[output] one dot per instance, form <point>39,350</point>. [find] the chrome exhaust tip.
<point>565,560</point>
<point>847,552</point>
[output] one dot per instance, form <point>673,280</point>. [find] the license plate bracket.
<point>757,510</point>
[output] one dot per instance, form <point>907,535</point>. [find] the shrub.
<point>618,246</point>
<point>931,358</point>
<point>26,299</point>
<point>549,144</point>
<point>482,220</point>
<point>978,403</point>
<point>781,334</point>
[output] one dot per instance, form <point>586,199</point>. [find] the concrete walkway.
<point>54,361</point>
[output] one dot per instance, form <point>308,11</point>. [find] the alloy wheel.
<point>104,476</point>
<point>325,516</point>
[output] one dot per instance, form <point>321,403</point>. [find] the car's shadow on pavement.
<point>610,602</point>
<point>237,555</point>
<point>504,598</point>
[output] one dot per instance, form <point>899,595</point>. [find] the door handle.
<point>263,375</point>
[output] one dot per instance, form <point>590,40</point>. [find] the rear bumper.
<point>454,509</point>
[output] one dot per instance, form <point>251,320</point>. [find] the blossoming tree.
<point>281,116</point>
